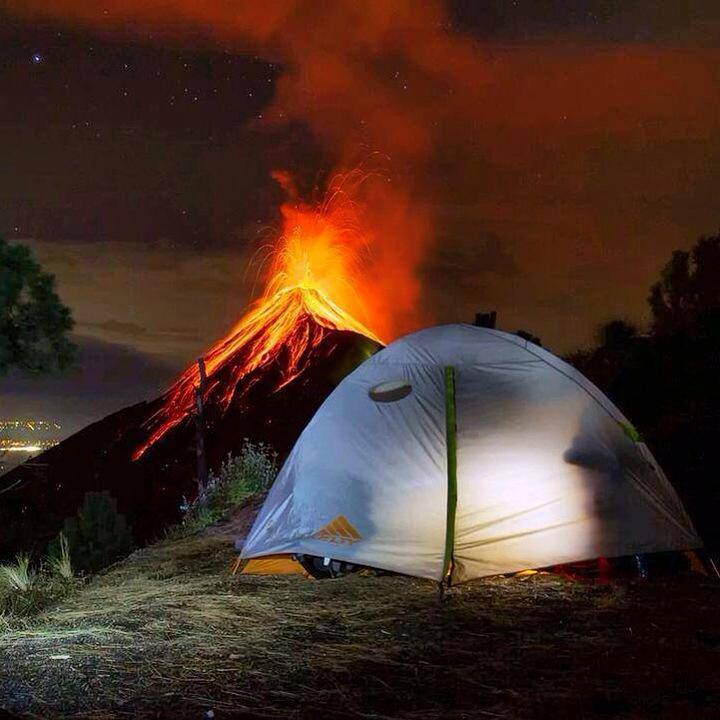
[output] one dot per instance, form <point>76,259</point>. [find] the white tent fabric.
<point>548,471</point>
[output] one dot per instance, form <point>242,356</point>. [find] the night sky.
<point>559,150</point>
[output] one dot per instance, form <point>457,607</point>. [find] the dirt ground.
<point>170,633</point>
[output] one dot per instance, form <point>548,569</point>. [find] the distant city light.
<point>29,425</point>
<point>27,436</point>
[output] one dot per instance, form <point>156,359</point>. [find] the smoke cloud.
<point>452,118</point>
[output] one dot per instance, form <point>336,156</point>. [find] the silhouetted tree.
<point>686,299</point>
<point>99,534</point>
<point>616,333</point>
<point>34,324</point>
<point>668,382</point>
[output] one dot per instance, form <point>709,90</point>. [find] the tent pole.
<point>451,442</point>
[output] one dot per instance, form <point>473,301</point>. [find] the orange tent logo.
<point>339,531</point>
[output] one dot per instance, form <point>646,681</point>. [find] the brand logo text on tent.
<point>338,530</point>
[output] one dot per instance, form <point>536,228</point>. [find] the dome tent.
<point>460,452</point>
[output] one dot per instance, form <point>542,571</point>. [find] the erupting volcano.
<point>265,380</point>
<point>311,272</point>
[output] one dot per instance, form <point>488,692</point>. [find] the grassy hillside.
<point>170,633</point>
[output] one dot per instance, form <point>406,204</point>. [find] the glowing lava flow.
<point>314,263</point>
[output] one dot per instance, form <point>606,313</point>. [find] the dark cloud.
<point>107,377</point>
<point>133,332</point>
<point>656,21</point>
<point>495,258</point>
<point>127,329</point>
<point>124,140</point>
<point>169,302</point>
<point>466,259</point>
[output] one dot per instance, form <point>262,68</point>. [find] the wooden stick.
<point>202,469</point>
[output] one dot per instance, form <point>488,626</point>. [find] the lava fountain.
<point>311,289</point>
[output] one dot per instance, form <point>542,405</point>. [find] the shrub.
<point>25,591</point>
<point>59,559</point>
<point>239,477</point>
<point>18,577</point>
<point>98,535</point>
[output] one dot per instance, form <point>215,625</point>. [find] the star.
<point>37,58</point>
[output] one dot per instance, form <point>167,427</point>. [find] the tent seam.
<point>564,374</point>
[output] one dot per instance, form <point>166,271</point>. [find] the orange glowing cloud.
<point>393,78</point>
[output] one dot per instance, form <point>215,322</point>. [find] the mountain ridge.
<point>268,397</point>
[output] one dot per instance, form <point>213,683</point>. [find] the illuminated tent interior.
<point>459,452</point>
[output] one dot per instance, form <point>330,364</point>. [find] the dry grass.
<point>61,563</point>
<point>169,633</point>
<point>17,577</point>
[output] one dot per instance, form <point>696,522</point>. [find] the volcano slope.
<point>265,380</point>
<point>171,633</point>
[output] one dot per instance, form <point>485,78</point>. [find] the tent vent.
<point>390,391</point>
